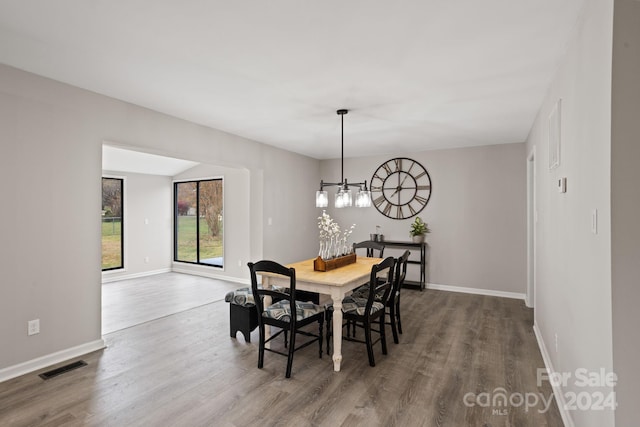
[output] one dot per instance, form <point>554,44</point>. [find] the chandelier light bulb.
<point>322,199</point>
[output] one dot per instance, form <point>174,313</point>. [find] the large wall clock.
<point>400,188</point>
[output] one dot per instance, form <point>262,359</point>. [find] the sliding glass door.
<point>199,227</point>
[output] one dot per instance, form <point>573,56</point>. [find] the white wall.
<point>236,219</point>
<point>146,197</point>
<point>477,214</point>
<point>625,207</point>
<point>573,293</point>
<point>51,137</point>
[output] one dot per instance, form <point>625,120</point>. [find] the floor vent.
<point>62,370</point>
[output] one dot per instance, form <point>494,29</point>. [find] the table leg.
<point>337,332</point>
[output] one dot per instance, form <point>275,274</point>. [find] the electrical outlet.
<point>146,259</point>
<point>562,185</point>
<point>33,327</point>
<point>239,263</point>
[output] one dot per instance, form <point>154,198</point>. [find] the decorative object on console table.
<point>418,229</point>
<point>422,246</point>
<point>320,264</point>
<point>378,237</point>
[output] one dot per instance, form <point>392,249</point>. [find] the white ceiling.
<point>416,74</point>
<point>122,160</point>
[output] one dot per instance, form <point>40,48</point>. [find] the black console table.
<point>423,260</point>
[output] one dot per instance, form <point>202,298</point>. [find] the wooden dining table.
<point>335,283</point>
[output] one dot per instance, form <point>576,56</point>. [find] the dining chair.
<point>288,313</point>
<point>393,302</point>
<point>373,249</point>
<point>364,312</point>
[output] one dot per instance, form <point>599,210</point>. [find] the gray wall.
<point>573,271</point>
<point>625,207</point>
<point>477,214</point>
<point>51,136</point>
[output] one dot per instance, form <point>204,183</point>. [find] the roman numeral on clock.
<point>387,209</point>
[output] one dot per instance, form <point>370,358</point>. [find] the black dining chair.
<point>373,250</point>
<point>393,302</point>
<point>363,312</point>
<point>287,313</point>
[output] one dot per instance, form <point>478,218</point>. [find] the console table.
<point>423,260</point>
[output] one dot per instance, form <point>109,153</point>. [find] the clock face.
<point>400,188</point>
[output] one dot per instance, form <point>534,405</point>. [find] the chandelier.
<point>344,196</point>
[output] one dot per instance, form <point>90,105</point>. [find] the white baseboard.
<point>557,389</point>
<point>177,269</point>
<point>211,275</point>
<point>106,278</point>
<point>50,359</point>
<point>475,291</point>
<point>527,301</point>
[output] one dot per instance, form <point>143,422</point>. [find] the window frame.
<point>175,221</point>
<point>122,221</point>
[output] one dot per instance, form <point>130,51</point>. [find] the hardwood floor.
<point>126,303</point>
<point>184,370</point>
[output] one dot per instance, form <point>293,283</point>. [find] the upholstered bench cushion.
<point>242,296</point>
<point>281,310</point>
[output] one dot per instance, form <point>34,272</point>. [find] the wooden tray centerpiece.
<point>320,264</point>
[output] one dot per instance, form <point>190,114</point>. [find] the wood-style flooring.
<point>185,370</point>
<point>130,302</point>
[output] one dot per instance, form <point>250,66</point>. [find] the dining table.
<point>336,283</point>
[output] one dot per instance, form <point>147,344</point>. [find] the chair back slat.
<point>401,272</point>
<point>373,249</point>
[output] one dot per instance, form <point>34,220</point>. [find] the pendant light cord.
<point>342,147</point>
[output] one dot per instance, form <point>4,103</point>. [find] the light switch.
<point>594,221</point>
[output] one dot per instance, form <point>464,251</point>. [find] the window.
<point>112,228</point>
<point>198,224</point>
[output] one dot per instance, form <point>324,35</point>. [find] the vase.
<point>335,247</point>
<point>325,248</point>
<point>345,248</point>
